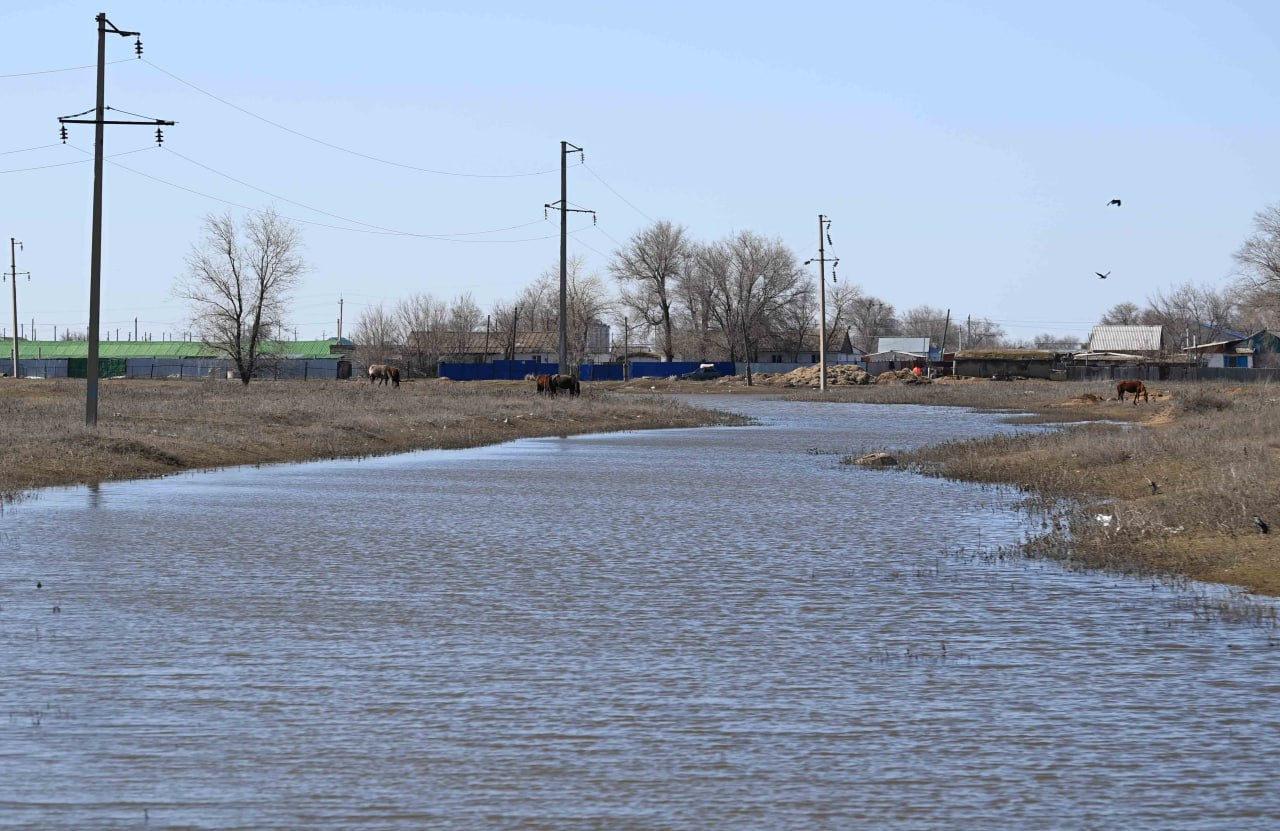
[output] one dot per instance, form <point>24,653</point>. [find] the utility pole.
<point>563,207</point>
<point>135,328</point>
<point>486,336</point>
<point>942,350</point>
<point>339,319</point>
<point>99,121</point>
<point>14,246</point>
<point>824,237</point>
<point>626,347</point>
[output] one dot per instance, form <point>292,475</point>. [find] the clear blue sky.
<point>964,150</point>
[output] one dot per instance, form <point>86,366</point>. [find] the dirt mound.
<point>902,376</point>
<point>838,375</point>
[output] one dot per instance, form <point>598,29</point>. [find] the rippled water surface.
<point>684,629</point>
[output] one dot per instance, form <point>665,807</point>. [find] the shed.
<point>1261,349</point>
<point>1004,363</point>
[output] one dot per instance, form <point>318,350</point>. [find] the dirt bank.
<point>150,428</point>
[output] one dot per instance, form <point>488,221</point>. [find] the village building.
<point>1261,349</point>
<point>840,350</point>
<point>1006,363</point>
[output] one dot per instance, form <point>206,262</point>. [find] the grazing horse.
<point>1136,387</point>
<point>567,383</point>
<point>382,373</point>
<point>543,383</point>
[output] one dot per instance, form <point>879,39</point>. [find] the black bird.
<point>1262,525</point>
<point>1102,276</point>
<point>1115,202</point>
<point>1154,487</point>
<point>38,585</point>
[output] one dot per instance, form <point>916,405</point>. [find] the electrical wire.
<point>27,149</point>
<point>76,161</point>
<point>251,209</point>
<point>615,193</point>
<point>339,147</point>
<point>296,203</point>
<point>63,69</point>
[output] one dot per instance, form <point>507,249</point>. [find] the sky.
<point>964,151</point>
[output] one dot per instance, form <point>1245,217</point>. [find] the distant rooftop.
<point>1126,339</point>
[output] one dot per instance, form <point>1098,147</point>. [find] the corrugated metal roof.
<point>1125,339</point>
<point>917,345</point>
<point>163,349</point>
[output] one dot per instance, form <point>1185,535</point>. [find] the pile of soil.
<point>838,375</point>
<point>902,376</point>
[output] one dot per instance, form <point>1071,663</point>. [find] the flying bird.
<point>1262,525</point>
<point>1102,276</point>
<point>1115,202</point>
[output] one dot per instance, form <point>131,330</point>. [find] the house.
<point>839,351</point>
<point>1261,349</point>
<point>1147,341</point>
<point>914,346</point>
<point>1005,363</point>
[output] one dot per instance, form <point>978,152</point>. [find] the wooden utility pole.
<point>99,121</point>
<point>13,277</point>
<point>566,149</point>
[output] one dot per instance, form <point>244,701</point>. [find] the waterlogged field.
<point>719,627</point>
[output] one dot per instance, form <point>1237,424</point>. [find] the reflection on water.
<point>690,629</point>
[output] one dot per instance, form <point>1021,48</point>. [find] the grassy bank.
<point>150,428</point>
<point>1174,494</point>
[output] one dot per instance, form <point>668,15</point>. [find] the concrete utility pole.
<point>99,121</point>
<point>14,245</point>
<point>626,347</point>
<point>823,237</point>
<point>339,318</point>
<point>563,207</point>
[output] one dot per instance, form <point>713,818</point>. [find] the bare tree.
<point>932,323</point>
<point>695,300</point>
<point>421,321</point>
<point>754,278</point>
<point>378,334</point>
<point>238,280</point>
<point>1122,314</point>
<point>871,318</point>
<point>1056,343</point>
<point>647,268</point>
<point>465,318</point>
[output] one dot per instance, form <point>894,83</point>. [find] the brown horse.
<point>543,383</point>
<point>567,383</point>
<point>382,373</point>
<point>1136,387</point>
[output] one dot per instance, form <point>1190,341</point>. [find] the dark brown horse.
<point>382,373</point>
<point>1136,387</point>
<point>543,383</point>
<point>567,383</point>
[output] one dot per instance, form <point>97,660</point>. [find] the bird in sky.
<point>1102,276</point>
<point>1115,202</point>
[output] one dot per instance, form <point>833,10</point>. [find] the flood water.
<point>677,629</point>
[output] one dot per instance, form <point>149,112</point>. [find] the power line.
<point>339,147</point>
<point>615,193</point>
<point>77,161</point>
<point>27,149</point>
<point>229,177</point>
<point>63,69</point>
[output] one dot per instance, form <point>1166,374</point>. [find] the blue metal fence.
<point>36,367</point>
<point>515,370</point>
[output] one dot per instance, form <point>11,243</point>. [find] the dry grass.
<point>1212,452</point>
<point>149,428</point>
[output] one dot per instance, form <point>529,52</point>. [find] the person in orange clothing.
<point>917,370</point>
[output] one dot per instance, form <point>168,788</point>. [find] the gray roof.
<point>1125,339</point>
<point>918,345</point>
